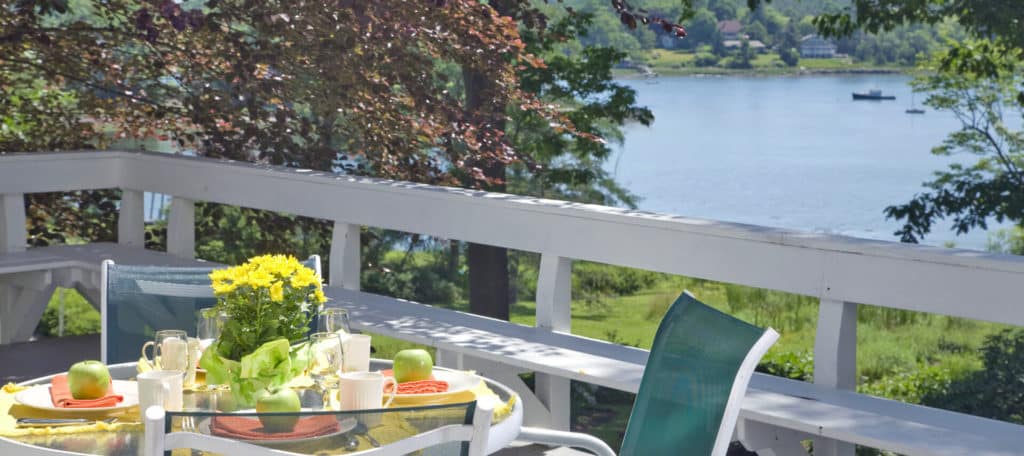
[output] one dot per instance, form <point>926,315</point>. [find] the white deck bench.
<point>31,276</point>
<point>777,413</point>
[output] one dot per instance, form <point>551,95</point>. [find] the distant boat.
<point>873,94</point>
<point>914,109</point>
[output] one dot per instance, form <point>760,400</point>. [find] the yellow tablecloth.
<point>10,411</point>
<point>392,427</point>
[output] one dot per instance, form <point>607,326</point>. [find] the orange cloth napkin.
<point>245,428</point>
<point>428,386</point>
<point>60,393</point>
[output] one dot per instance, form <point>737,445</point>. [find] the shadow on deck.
<point>27,360</point>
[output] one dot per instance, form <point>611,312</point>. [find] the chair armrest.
<point>562,438</point>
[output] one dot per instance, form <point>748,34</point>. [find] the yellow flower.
<point>303,277</point>
<point>220,288</point>
<point>318,296</point>
<point>221,274</point>
<point>260,279</point>
<point>277,291</point>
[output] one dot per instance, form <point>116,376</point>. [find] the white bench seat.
<point>28,278</point>
<point>804,409</point>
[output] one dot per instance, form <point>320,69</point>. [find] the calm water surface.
<point>790,152</point>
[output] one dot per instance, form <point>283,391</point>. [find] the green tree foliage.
<point>996,21</point>
<point>789,44</point>
<point>743,57</point>
<point>725,9</point>
<point>702,28</point>
<point>562,166</point>
<point>1009,240</point>
<point>995,392</point>
<point>756,31</point>
<point>992,131</point>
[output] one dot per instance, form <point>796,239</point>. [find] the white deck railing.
<point>841,271</point>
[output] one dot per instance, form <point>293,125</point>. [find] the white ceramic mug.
<point>161,388</point>
<point>356,348</point>
<point>364,390</point>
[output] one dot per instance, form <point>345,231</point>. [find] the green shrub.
<point>790,56</point>
<point>610,280</point>
<point>927,381</point>
<point>79,316</point>
<point>705,60</point>
<point>995,392</point>
<point>793,365</point>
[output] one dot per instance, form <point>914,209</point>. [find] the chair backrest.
<point>473,429</point>
<point>136,301</point>
<point>695,378</point>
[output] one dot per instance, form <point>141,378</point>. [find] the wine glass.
<point>332,320</point>
<point>209,326</point>
<point>325,360</point>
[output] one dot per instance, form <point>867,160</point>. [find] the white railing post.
<point>835,360</point>
<point>131,225</point>
<point>554,313</point>
<point>345,256</point>
<point>13,238</point>
<point>181,228</point>
<point>12,223</point>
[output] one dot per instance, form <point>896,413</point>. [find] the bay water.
<point>791,152</point>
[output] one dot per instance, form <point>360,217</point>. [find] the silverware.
<point>55,422</point>
<point>363,431</point>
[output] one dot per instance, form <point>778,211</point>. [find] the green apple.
<point>412,365</point>
<point>282,400</point>
<point>88,380</point>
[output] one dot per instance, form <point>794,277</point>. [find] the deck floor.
<point>27,360</point>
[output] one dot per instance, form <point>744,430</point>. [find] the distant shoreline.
<point>704,72</point>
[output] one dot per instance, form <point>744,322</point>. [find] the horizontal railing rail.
<point>963,283</point>
<point>841,271</point>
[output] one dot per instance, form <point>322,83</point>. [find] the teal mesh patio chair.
<point>693,384</point>
<point>136,301</point>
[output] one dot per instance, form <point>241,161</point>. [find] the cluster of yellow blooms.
<point>271,272</point>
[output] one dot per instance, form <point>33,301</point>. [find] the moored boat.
<point>873,94</point>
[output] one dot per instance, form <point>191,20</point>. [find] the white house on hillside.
<point>816,47</point>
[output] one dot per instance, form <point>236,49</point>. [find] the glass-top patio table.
<point>343,432</point>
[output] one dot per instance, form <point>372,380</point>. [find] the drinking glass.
<point>170,350</point>
<point>332,320</point>
<point>325,361</point>
<point>209,326</point>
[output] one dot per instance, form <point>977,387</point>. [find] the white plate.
<point>457,383</point>
<point>38,397</point>
<point>344,426</point>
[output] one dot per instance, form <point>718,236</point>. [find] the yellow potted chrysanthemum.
<point>270,301</point>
